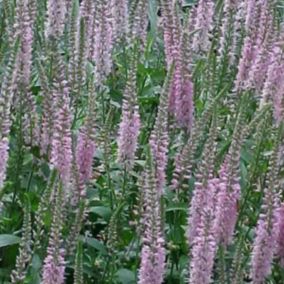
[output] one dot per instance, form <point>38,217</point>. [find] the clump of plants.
<point>141,141</point>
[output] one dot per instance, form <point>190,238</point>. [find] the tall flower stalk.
<point>204,246</point>
<point>130,122</point>
<point>159,140</point>
<point>56,15</point>
<point>152,266</point>
<point>280,236</point>
<point>7,92</point>
<point>229,9</point>
<point>47,121</point>
<point>61,152</point>
<point>184,160</point>
<point>182,89</point>
<point>204,183</point>
<point>86,147</point>
<point>204,24</point>
<point>138,27</point>
<point>263,44</point>
<point>18,275</point>
<point>229,192</point>
<point>119,20</point>
<point>103,41</point>
<point>267,230</point>
<point>168,29</point>
<point>87,12</point>
<point>54,263</point>
<point>200,232</point>
<point>248,49</point>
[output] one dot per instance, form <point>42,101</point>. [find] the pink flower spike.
<point>128,135</point>
<point>280,237</point>
<point>84,157</point>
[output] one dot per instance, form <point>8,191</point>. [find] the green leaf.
<point>34,277</point>
<point>36,262</point>
<point>8,240</point>
<point>102,211</point>
<point>94,243</point>
<point>125,276</point>
<point>177,207</point>
<point>115,104</point>
<point>141,163</point>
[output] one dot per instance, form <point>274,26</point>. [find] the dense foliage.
<point>141,141</point>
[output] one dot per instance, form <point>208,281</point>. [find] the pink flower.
<point>87,11</point>
<point>168,29</point>
<point>248,53</point>
<point>84,157</point>
<point>226,214</point>
<point>176,88</point>
<point>185,106</point>
<point>198,202</point>
<point>203,23</point>
<point>4,154</point>
<point>130,122</point>
<point>245,62</point>
<point>128,136</point>
<point>273,85</point>
<point>153,254</point>
<point>203,243</point>
<point>236,35</point>
<point>280,236</point>
<point>229,10</point>
<point>159,139</point>
<point>119,19</point>
<point>61,152</point>
<point>103,42</point>
<point>54,263</point>
<point>152,263</point>
<point>265,242</point>
<point>56,11</point>
<point>140,23</point>
<point>262,47</point>
<point>53,269</point>
<point>7,92</point>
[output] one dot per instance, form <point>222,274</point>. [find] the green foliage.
<point>8,240</point>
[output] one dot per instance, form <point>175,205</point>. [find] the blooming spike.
<point>204,245</point>
<point>24,257</point>
<point>280,237</point>
<point>152,266</point>
<point>267,229</point>
<point>265,34</point>
<point>120,19</point>
<point>204,22</point>
<point>54,264</point>
<point>56,11</point>
<point>86,148</point>
<point>248,50</point>
<point>204,182</point>
<point>7,91</point>
<point>168,28</point>
<point>87,11</point>
<point>159,139</point>
<point>103,42</point>
<point>229,10</point>
<point>138,29</point>
<point>130,123</point>
<point>229,188</point>
<point>61,153</point>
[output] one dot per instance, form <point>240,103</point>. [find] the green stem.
<point>222,266</point>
